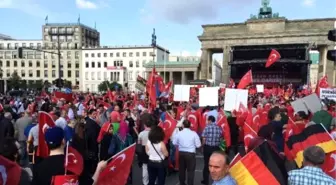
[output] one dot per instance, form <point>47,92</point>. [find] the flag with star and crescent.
<point>73,161</point>
<point>118,169</point>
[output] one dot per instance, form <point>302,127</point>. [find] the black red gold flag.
<point>261,166</point>
<point>314,135</point>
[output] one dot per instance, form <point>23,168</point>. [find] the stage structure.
<point>247,46</point>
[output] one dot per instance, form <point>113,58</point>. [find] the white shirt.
<point>187,141</point>
<point>61,122</point>
<point>143,137</point>
<point>153,155</point>
<point>71,114</point>
<point>80,108</point>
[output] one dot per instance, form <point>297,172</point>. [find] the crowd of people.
<point>100,126</point>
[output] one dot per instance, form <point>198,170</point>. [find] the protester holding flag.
<point>44,173</point>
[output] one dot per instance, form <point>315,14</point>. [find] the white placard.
<point>328,93</point>
<point>208,96</point>
<point>313,103</point>
<point>299,105</point>
<point>260,88</point>
<point>233,98</point>
<point>181,93</point>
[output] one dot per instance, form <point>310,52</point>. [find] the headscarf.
<point>123,130</point>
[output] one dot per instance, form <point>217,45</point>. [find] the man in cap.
<point>54,164</point>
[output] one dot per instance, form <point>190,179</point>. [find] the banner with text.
<point>328,93</point>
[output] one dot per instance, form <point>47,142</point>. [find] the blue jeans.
<point>156,170</point>
<point>24,160</point>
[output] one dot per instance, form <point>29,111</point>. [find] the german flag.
<point>314,135</point>
<point>262,166</point>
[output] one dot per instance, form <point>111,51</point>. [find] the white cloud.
<point>185,11</point>
<point>308,3</point>
<point>86,4</point>
<point>31,7</point>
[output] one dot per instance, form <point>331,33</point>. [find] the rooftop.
<point>5,37</point>
<point>70,24</point>
<point>125,47</point>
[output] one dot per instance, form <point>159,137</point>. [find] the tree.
<point>102,87</point>
<point>30,84</point>
<point>38,85</point>
<point>67,84</point>
<point>14,82</point>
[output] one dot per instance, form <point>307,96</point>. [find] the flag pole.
<point>66,158</point>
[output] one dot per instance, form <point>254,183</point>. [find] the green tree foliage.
<point>102,87</point>
<point>14,82</point>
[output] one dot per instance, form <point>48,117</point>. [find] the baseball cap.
<point>54,135</point>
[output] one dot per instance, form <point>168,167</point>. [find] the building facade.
<point>120,64</point>
<point>314,66</point>
<point>67,39</point>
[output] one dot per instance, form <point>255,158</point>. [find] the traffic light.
<point>331,55</point>
<point>20,54</point>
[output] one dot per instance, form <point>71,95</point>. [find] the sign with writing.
<point>328,93</point>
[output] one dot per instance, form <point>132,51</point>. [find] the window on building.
<point>7,63</point>
<point>86,75</point>
<point>93,64</point>
<point>53,64</point>
<point>30,63</point>
<point>17,46</point>
<point>30,73</point>
<point>76,55</point>
<point>130,63</point>
<point>77,74</point>
<point>130,75</point>
<point>69,64</point>
<point>121,63</point>
<point>93,76</point>
<point>45,64</point>
<point>61,64</point>
<point>38,63</point>
<point>111,54</point>
<point>99,75</point>
<point>77,64</point>
<point>118,63</point>
<point>114,63</point>
<point>68,54</point>
<point>8,73</point>
<point>86,55</point>
<point>131,54</point>
<point>69,74</point>
<point>92,55</point>
<point>87,64</point>
<point>99,65</point>
<point>22,63</point>
<point>144,54</point>
<point>15,63</point>
<point>124,54</point>
<point>45,73</point>
<point>23,73</point>
<point>38,73</point>
<point>117,55</point>
<point>105,54</point>
<point>138,54</point>
<point>105,64</point>
<point>137,64</point>
<point>98,55</point>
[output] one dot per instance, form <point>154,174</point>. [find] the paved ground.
<point>173,178</point>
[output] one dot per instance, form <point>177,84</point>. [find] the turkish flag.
<point>44,121</point>
<point>117,170</point>
<point>193,119</point>
<point>223,123</point>
<point>73,161</point>
<point>168,126</point>
<point>322,83</point>
<point>64,179</point>
<point>67,97</point>
<point>249,132</point>
<point>10,172</point>
<point>104,130</point>
<point>329,166</point>
<point>246,80</point>
<point>272,58</point>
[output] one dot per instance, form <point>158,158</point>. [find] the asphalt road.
<point>173,178</point>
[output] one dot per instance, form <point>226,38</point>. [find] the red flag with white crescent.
<point>272,58</point>
<point>193,119</point>
<point>73,161</point>
<point>224,125</point>
<point>329,166</point>
<point>44,121</point>
<point>118,169</point>
<point>246,80</point>
<point>65,180</point>
<point>168,126</point>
